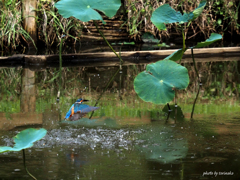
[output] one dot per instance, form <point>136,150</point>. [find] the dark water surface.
<point>126,138</point>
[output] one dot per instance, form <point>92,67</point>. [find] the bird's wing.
<point>69,113</point>
<point>84,108</point>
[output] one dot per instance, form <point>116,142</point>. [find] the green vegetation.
<point>218,15</point>
<point>11,30</point>
<point>149,84</point>
<point>158,82</point>
<point>25,139</point>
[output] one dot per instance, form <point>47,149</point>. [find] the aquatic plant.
<point>157,83</point>
<point>218,15</point>
<point>24,140</point>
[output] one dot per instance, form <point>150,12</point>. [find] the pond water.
<point>126,138</point>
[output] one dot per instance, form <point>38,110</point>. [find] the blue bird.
<point>78,110</point>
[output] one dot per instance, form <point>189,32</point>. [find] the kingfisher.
<point>78,110</point>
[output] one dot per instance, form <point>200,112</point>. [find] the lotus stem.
<point>195,102</point>
<point>200,83</point>
<point>184,46</point>
<point>24,163</point>
<point>119,57</point>
<point>104,90</point>
<point>60,67</point>
<point>120,68</point>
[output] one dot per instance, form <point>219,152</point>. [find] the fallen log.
<point>39,62</point>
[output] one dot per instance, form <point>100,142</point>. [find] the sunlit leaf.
<point>165,14</point>
<point>85,10</point>
<point>25,139</point>
<point>198,10</point>
<point>177,55</point>
<point>214,37</point>
<point>158,82</point>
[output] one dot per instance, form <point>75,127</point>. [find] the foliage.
<point>52,26</point>
<point>11,29</point>
<point>165,14</point>
<point>84,10</point>
<point>106,122</point>
<point>149,38</point>
<point>207,23</point>
<point>226,15</point>
<point>213,38</point>
<point>158,82</point>
<point>149,85</point>
<point>177,55</point>
<point>25,139</point>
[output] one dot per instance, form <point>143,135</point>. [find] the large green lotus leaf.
<point>177,55</point>
<point>165,14</point>
<point>158,82</point>
<point>214,37</point>
<point>107,122</point>
<point>84,10</point>
<point>25,139</point>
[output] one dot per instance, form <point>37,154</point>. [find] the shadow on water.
<point>126,138</point>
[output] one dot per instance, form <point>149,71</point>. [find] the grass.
<point>11,29</point>
<point>219,15</point>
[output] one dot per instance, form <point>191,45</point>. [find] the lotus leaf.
<point>149,38</point>
<point>158,82</point>
<point>25,139</point>
<point>108,122</point>
<point>165,15</point>
<point>177,55</point>
<point>214,37</point>
<point>85,10</point>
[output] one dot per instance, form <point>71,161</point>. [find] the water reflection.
<point>126,138</point>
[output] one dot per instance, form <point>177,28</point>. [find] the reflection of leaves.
<point>158,82</point>
<point>25,139</point>
<point>180,115</point>
<point>163,45</point>
<point>149,38</point>
<point>162,145</point>
<point>107,122</point>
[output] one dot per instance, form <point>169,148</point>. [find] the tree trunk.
<point>29,19</point>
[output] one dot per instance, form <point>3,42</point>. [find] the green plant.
<point>226,13</point>
<point>24,140</point>
<point>152,80</point>
<point>10,24</point>
<point>158,82</point>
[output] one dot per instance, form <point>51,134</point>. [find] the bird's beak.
<point>83,100</point>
